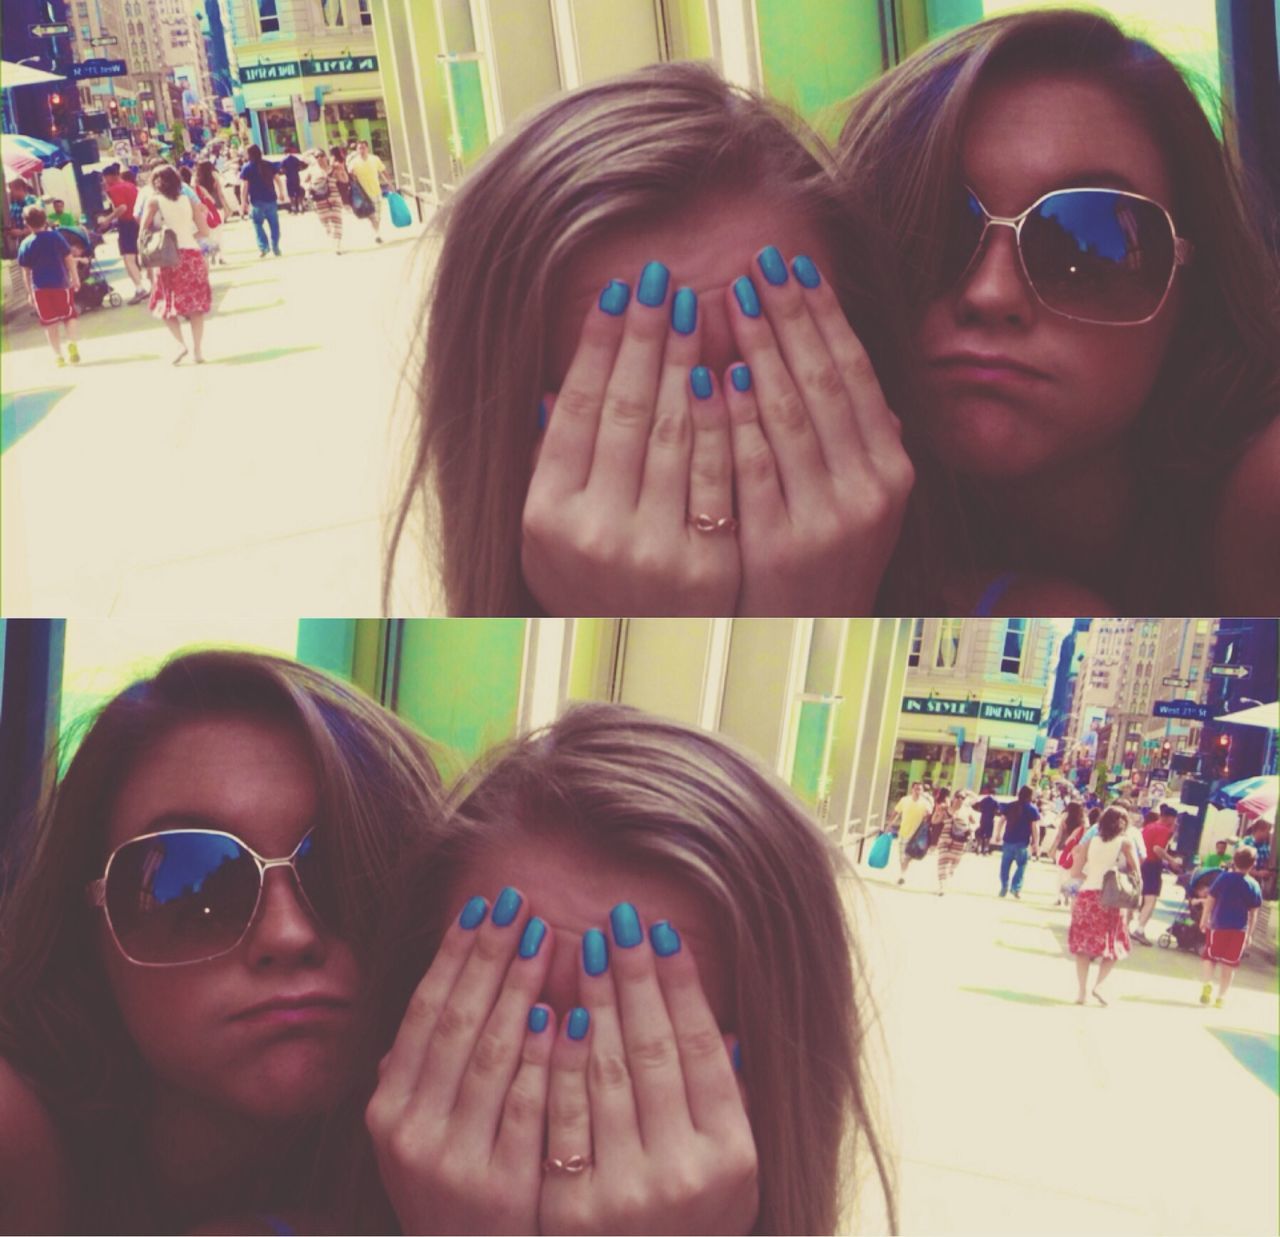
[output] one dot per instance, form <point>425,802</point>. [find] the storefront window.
<point>917,640</point>
<point>334,12</point>
<point>268,17</point>
<point>1014,634</point>
<point>948,643</point>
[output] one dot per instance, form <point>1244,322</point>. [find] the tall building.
<point>974,705</point>
<point>309,73</point>
<point>1140,701</point>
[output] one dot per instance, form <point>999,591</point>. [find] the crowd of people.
<point>1112,861</point>
<point>192,198</point>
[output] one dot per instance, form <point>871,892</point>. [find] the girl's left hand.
<point>821,475</point>
<point>647,1096</point>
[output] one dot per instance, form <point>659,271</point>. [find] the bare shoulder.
<point>1026,596</point>
<point>1246,534</point>
<point>33,1170</point>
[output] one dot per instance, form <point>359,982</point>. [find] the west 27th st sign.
<point>98,68</point>
<point>284,70</point>
<point>936,706</point>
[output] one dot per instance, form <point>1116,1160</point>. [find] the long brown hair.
<point>640,789</point>
<point>900,155</point>
<point>378,792</point>
<point>588,165</point>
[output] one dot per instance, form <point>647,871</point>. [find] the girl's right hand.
<point>636,446</point>
<point>458,1115</point>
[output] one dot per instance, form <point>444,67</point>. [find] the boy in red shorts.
<point>52,276</point>
<point>1227,919</point>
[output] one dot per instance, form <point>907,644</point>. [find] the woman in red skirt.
<point>1097,931</point>
<point>180,291</point>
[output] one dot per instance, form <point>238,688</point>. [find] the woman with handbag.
<point>322,186</point>
<point>950,812</point>
<point>1098,929</point>
<point>180,273</point>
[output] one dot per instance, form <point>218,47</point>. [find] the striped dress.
<point>950,849</point>
<point>328,207</point>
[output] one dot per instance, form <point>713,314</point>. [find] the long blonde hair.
<point>900,159</point>
<point>633,787</point>
<point>592,162</point>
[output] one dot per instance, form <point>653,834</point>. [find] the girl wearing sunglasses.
<point>1095,318</point>
<point>183,951</point>
<point>644,1009</point>
<point>640,392</point>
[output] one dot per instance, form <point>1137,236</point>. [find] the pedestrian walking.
<point>180,291</point>
<point>1021,838</point>
<point>52,276</point>
<point>1097,933</point>
<point>322,186</point>
<point>370,175</point>
<point>207,180</point>
<point>954,836</point>
<point>909,813</point>
<point>1156,837</point>
<point>258,200</point>
<point>123,216</point>
<point>210,245</point>
<point>293,169</point>
<point>1228,920</point>
<point>988,808</point>
<point>1074,823</point>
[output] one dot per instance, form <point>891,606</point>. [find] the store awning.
<point>13,75</point>
<point>1265,715</point>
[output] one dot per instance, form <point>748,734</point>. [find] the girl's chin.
<point>983,438</point>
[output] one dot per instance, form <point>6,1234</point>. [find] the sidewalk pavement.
<point>1018,1111</point>
<point>262,479</point>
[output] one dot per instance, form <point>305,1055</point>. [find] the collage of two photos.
<point>563,648</point>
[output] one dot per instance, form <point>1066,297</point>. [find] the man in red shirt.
<point>1155,837</point>
<point>123,197</point>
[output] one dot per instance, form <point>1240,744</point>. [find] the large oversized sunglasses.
<point>1094,255</point>
<point>190,895</point>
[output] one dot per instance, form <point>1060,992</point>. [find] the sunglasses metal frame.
<point>1183,249</point>
<point>96,890</point>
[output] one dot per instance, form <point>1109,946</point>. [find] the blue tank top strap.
<point>280,1227</point>
<point>992,594</point>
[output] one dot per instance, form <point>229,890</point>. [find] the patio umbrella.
<point>52,156</point>
<point>1233,793</point>
<point>1261,803</point>
<point>18,164</point>
<point>13,75</point>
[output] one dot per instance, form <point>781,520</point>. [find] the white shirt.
<point>1100,858</point>
<point>179,215</point>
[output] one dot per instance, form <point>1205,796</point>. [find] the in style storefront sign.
<point>935,706</point>
<point>284,70</point>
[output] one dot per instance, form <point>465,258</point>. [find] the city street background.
<point>258,480</point>
<point>1018,1111</point>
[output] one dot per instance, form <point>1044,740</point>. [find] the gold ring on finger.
<point>710,524</point>
<point>571,1167</point>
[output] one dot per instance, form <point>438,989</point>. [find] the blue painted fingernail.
<point>748,298</point>
<point>507,907</point>
<point>535,932</point>
<point>700,381</point>
<point>684,311</point>
<point>579,1021</point>
<point>614,298</point>
<point>473,913</point>
<point>806,272</point>
<point>664,939</point>
<point>625,923</point>
<point>652,288</point>
<point>772,266</point>
<point>737,1057</point>
<point>538,1019</point>
<point>543,414</point>
<point>740,376</point>
<point>595,952</point>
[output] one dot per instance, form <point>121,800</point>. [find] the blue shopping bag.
<point>399,209</point>
<point>880,849</point>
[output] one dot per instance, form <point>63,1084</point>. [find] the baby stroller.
<point>1185,932</point>
<point>94,289</point>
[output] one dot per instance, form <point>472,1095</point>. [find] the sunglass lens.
<point>315,874</point>
<point>1099,255</point>
<point>963,237</point>
<point>181,897</point>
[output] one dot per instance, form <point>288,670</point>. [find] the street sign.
<point>269,72</point>
<point>339,64</point>
<point>98,68</point>
<point>106,40</point>
<point>1231,672</point>
<point>51,30</point>
<point>1186,710</point>
<point>1174,681</point>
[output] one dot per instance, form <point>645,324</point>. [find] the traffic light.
<point>59,114</point>
<point>1222,754</point>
